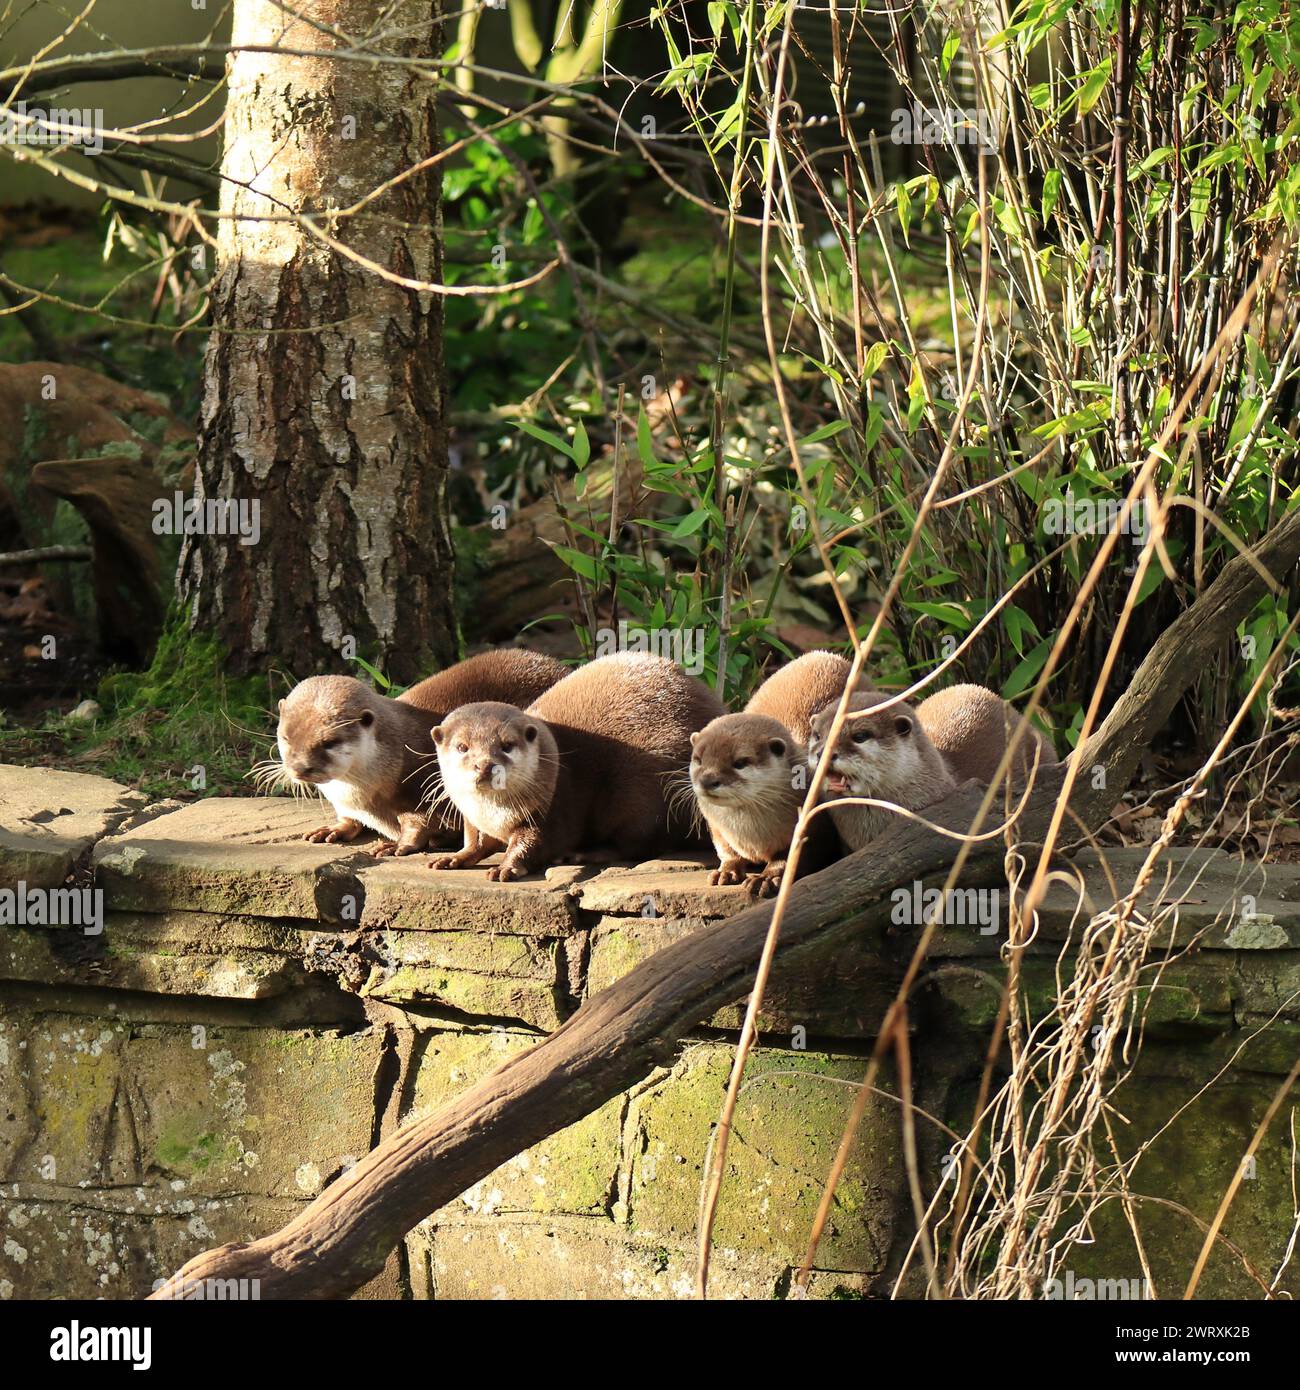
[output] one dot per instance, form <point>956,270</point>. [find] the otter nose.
<point>484,769</point>
<point>710,784</point>
<point>300,767</point>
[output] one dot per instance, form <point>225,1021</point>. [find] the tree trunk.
<point>335,423</point>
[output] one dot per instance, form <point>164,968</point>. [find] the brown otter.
<point>796,692</point>
<point>914,757</point>
<point>749,777</point>
<point>587,765</point>
<point>370,756</point>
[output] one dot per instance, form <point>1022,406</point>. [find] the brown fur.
<point>969,726</point>
<point>749,777</point>
<point>384,785</point>
<point>588,765</point>
<point>796,692</point>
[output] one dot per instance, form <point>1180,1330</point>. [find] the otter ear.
<point>438,733</point>
<point>777,745</point>
<point>280,706</point>
<point>530,733</point>
<point>903,726</point>
<point>367,718</point>
<point>694,739</point>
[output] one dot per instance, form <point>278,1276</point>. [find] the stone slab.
<point>180,953</point>
<point>49,820</point>
<point>573,1259</point>
<point>482,975</point>
<point>404,893</point>
<point>241,855</point>
<point>844,998</point>
<point>574,1171</point>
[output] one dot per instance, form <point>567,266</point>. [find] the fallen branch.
<point>621,1034</point>
<point>44,555</point>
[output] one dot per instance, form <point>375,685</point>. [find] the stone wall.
<point>257,1012</point>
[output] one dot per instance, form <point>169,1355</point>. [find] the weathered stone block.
<point>574,1171</point>
<point>241,855</point>
<point>405,894</point>
<point>185,953</point>
<point>676,887</point>
<point>789,1120</point>
<point>483,976</point>
<point>49,820</point>
<point>118,1245</point>
<point>844,998</point>
<point>215,1111</point>
<point>573,1259</point>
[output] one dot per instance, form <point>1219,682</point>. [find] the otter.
<point>586,766</point>
<point>370,756</point>
<point>970,725</point>
<point>796,692</point>
<point>749,776</point>
<point>914,757</point>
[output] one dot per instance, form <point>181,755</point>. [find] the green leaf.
<point>579,563</point>
<point>949,613</point>
<point>581,446</point>
<point>378,677</point>
<point>546,437</point>
<point>1093,87</point>
<point>645,441</point>
<point>874,360</point>
<point>828,431</point>
<point>1051,191</point>
<point>1027,671</point>
<point>690,523</point>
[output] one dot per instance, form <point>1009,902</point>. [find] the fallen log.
<point>620,1035</point>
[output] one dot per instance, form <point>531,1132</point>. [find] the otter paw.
<point>444,861</point>
<point>766,884</point>
<point>320,834</point>
<point>382,849</point>
<point>731,871</point>
<point>503,873</point>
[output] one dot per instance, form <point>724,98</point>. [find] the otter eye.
<point>863,736</point>
<point>742,762</point>
<point>328,744</point>
<point>462,748</point>
<point>507,748</point>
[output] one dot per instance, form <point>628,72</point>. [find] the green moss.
<point>181,1151</point>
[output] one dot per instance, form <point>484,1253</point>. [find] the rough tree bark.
<point>323,381</point>
<point>619,1035</point>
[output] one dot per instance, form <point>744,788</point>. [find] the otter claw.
<point>324,834</point>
